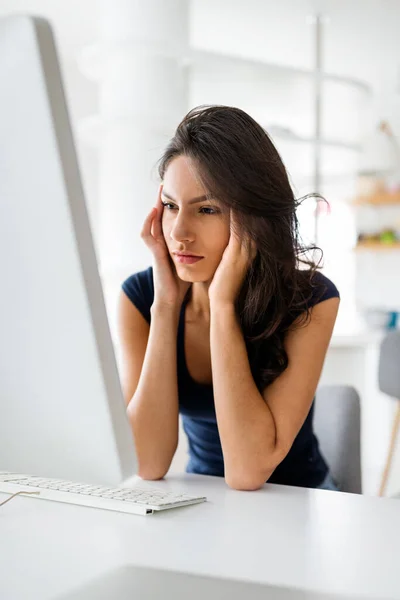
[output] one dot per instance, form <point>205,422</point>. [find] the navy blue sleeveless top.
<point>303,466</point>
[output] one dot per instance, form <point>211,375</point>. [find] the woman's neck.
<point>199,302</point>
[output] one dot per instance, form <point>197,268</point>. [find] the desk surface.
<point>309,539</point>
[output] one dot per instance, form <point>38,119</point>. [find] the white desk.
<point>309,539</point>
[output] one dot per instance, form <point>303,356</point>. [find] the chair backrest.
<point>337,427</point>
<point>389,365</point>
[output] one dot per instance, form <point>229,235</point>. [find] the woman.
<point>233,338</point>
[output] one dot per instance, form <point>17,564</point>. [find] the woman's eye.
<point>206,210</point>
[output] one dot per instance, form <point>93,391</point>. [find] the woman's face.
<point>191,223</point>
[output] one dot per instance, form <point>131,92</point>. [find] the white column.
<point>139,65</point>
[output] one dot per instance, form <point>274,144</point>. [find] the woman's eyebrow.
<point>192,201</point>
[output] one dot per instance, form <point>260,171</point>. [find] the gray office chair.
<point>337,427</point>
<point>389,383</point>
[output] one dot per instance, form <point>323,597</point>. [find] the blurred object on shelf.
<point>381,319</point>
<point>377,246</point>
<point>379,168</point>
<point>380,196</point>
<point>394,320</point>
<point>381,155</point>
<point>370,185</point>
<point>387,237</point>
<point>393,178</point>
<point>378,187</point>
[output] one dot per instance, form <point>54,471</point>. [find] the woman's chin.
<point>190,276</point>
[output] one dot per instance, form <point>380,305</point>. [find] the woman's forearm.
<point>245,423</point>
<point>153,411</point>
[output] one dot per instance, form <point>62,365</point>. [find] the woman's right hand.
<point>169,289</point>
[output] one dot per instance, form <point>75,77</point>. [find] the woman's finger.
<point>146,229</point>
<point>157,223</point>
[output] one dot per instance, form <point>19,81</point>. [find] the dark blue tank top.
<point>303,466</point>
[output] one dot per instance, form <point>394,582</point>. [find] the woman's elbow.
<point>152,474</point>
<point>153,471</point>
<point>248,480</point>
<point>242,485</point>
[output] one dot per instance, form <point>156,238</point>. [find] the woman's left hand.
<point>232,269</point>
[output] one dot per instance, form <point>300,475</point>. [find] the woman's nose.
<point>180,231</point>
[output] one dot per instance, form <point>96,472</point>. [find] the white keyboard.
<point>134,500</point>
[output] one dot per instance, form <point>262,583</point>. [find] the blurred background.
<point>322,77</point>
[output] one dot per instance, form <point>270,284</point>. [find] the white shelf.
<point>218,78</point>
<point>93,58</point>
<point>292,137</point>
<point>92,65</point>
<point>267,91</point>
<point>215,60</point>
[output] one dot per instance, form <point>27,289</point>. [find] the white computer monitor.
<point>62,412</point>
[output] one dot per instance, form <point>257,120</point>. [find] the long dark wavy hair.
<point>239,165</point>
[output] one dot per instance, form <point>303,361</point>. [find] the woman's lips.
<point>187,260</point>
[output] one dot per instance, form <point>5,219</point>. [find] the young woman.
<point>231,324</point>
